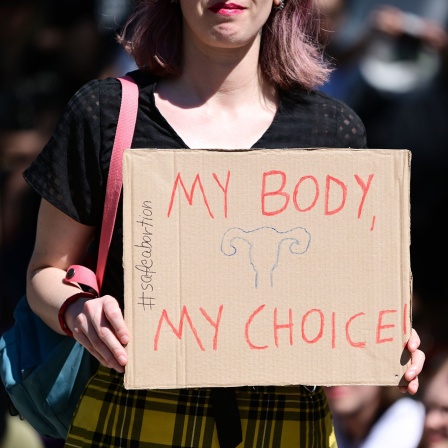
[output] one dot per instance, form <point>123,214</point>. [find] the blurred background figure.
<point>375,417</point>
<point>48,49</point>
<point>391,67</point>
<point>435,399</point>
<point>391,46</point>
<point>16,433</point>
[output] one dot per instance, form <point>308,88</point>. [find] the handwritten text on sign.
<point>268,190</point>
<point>266,256</point>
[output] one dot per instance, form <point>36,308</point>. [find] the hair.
<point>290,54</point>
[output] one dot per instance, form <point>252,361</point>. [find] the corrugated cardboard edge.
<point>129,378</point>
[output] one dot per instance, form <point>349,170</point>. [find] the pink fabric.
<point>123,140</point>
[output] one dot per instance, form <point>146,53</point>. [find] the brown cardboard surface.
<point>266,267</point>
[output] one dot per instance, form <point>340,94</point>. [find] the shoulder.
<point>87,101</point>
<point>98,93</point>
<point>326,115</point>
<point>315,100</point>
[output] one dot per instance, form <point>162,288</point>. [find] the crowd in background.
<point>48,50</point>
<point>390,62</point>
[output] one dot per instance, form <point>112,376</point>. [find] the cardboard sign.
<point>266,267</point>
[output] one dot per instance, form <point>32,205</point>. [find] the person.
<point>382,53</point>
<point>375,416</point>
<point>435,400</point>
<point>212,74</point>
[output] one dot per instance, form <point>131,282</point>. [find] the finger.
<point>103,338</point>
<point>411,374</point>
<point>84,341</point>
<point>100,347</point>
<point>106,338</point>
<point>414,341</point>
<point>417,361</point>
<point>114,315</point>
<point>96,335</point>
<point>413,386</point>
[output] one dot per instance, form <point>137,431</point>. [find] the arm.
<point>98,324</point>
